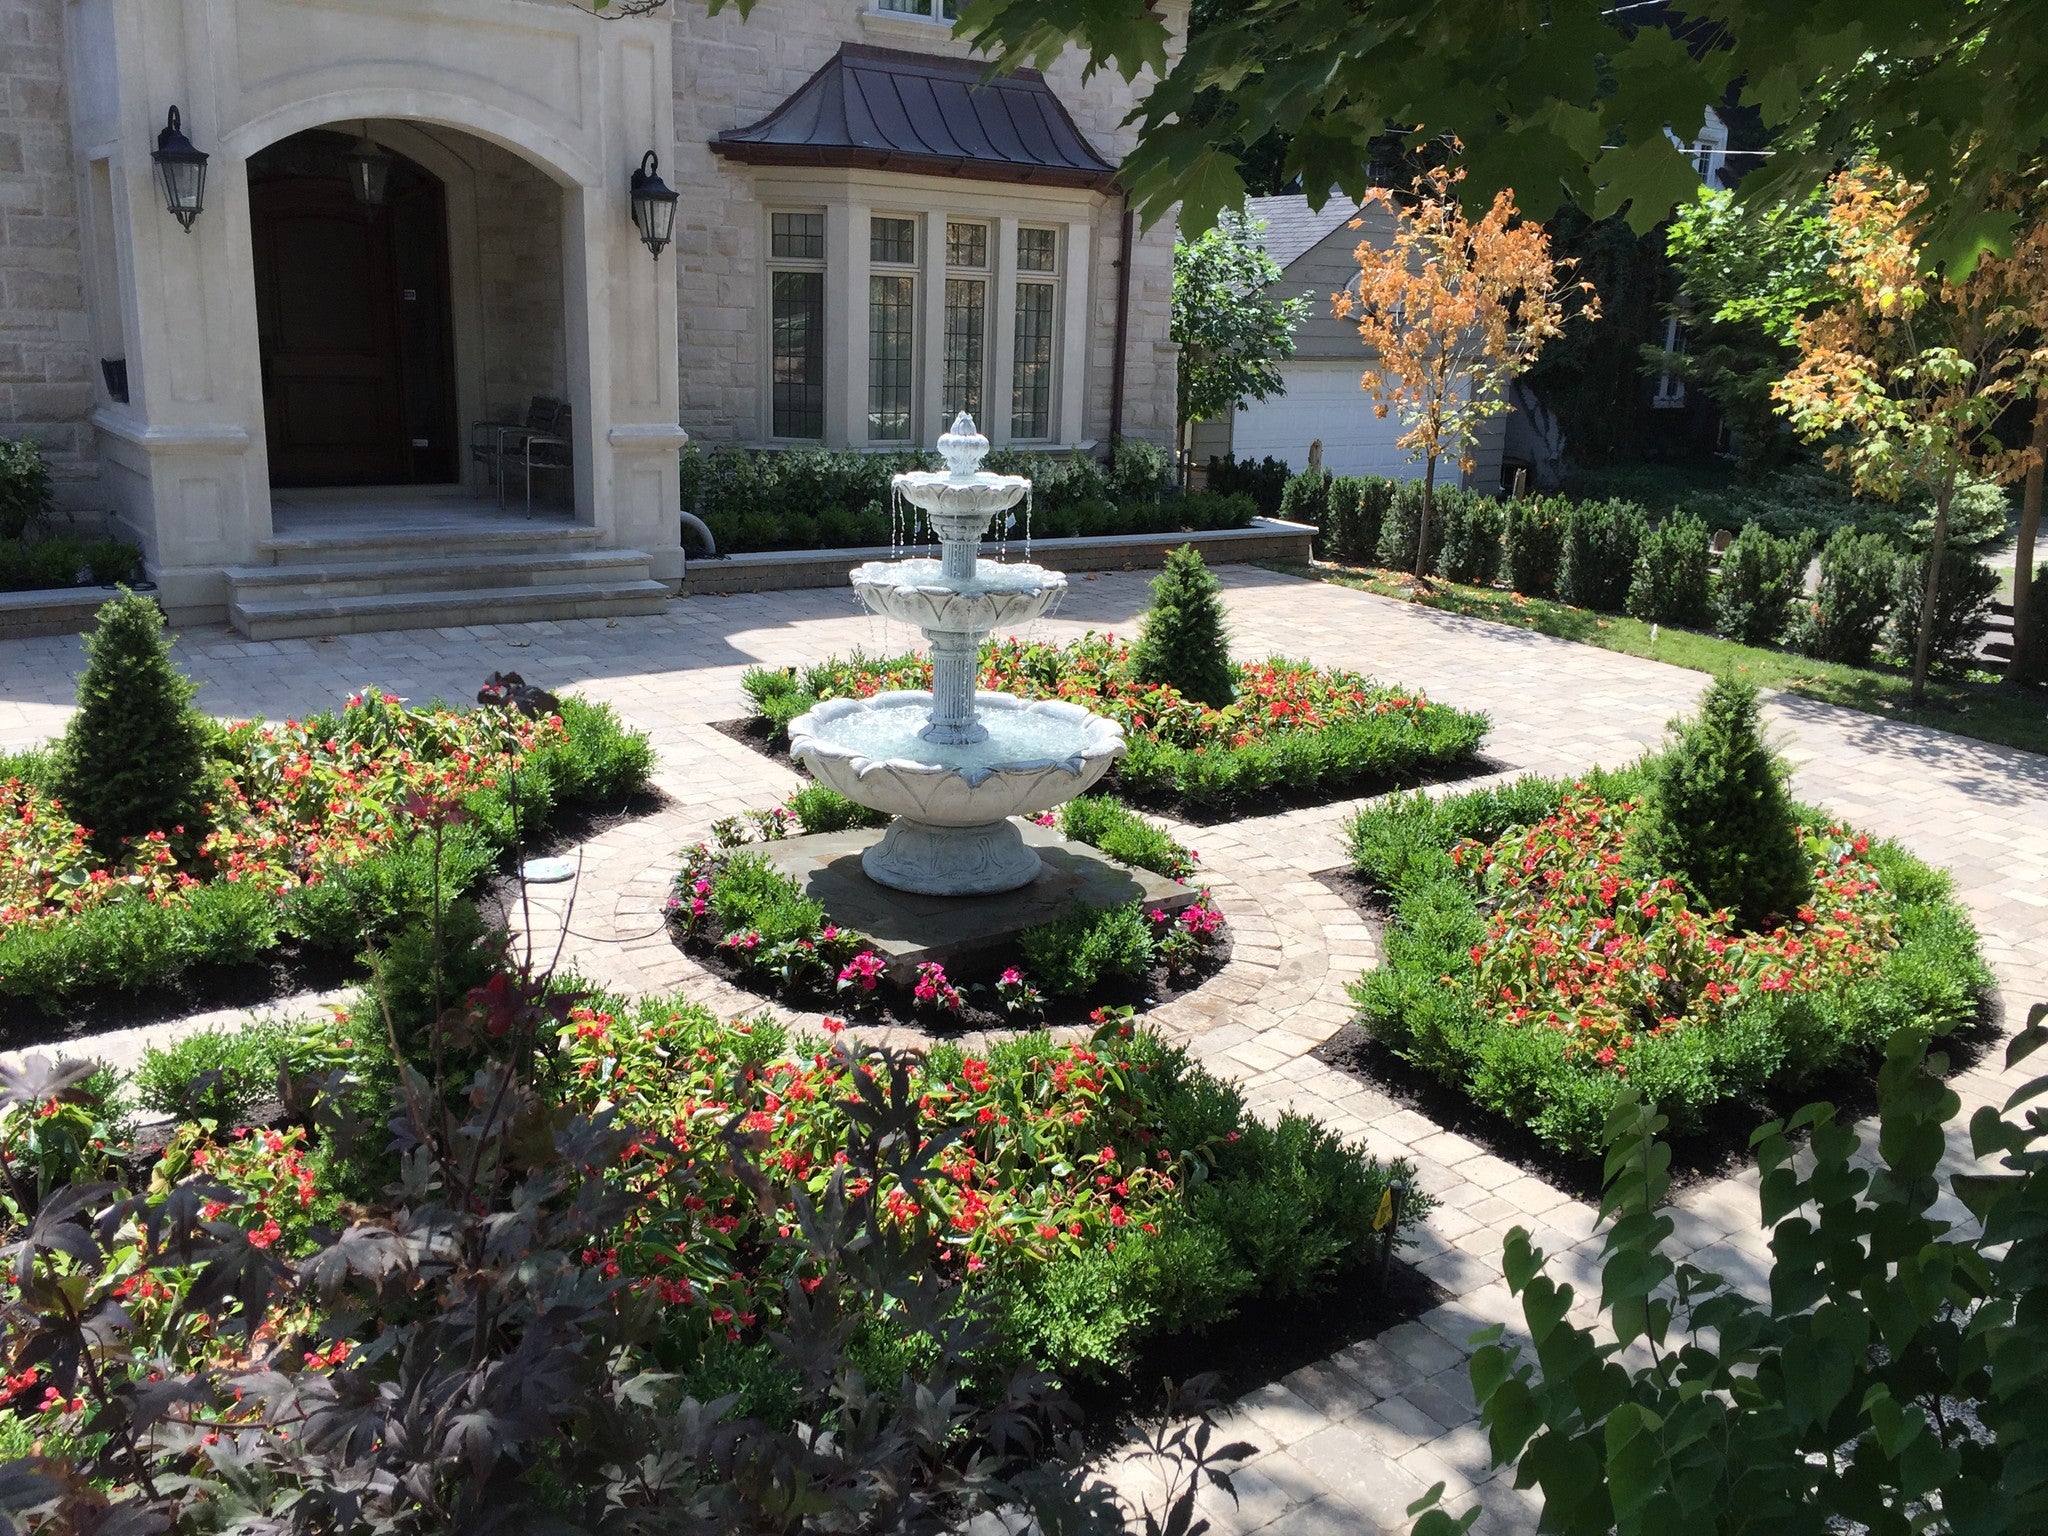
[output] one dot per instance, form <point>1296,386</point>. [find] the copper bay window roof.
<point>884,109</point>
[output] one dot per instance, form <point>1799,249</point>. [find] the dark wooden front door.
<point>352,329</point>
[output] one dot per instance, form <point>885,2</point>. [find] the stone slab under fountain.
<point>954,931</point>
<point>954,766</point>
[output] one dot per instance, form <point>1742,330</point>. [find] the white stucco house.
<point>417,217</point>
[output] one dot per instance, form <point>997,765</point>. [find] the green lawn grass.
<point>1984,711</point>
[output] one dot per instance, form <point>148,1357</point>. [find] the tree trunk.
<point>2026,666</point>
<point>1930,592</point>
<point>1422,533</point>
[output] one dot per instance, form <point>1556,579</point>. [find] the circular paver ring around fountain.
<point>1296,945</point>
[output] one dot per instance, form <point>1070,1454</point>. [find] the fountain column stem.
<point>956,558</point>
<point>955,661</point>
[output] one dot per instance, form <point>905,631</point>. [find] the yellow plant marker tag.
<point>1385,1213</point>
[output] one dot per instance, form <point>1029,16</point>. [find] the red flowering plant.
<point>1290,725</point>
<point>1580,943</point>
<point>1535,960</point>
<point>1043,1156</point>
<point>300,801</point>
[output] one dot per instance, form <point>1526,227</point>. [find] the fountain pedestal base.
<point>929,860</point>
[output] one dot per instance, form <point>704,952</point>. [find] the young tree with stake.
<point>1911,369</point>
<point>1453,309</point>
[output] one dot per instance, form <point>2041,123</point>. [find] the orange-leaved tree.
<point>1453,309</point>
<point>1910,371</point>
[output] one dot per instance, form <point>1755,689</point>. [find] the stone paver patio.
<point>1346,1443</point>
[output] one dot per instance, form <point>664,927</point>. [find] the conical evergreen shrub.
<point>1717,814</point>
<point>1184,643</point>
<point>133,759</point>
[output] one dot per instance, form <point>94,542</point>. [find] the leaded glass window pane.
<point>967,245</point>
<point>892,240</point>
<point>1038,250</point>
<point>966,336</point>
<point>797,353</point>
<point>1031,384</point>
<point>796,236</point>
<point>891,332</point>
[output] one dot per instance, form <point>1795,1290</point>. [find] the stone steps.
<point>359,580</point>
<point>301,617</point>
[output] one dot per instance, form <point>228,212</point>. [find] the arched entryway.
<point>355,329</point>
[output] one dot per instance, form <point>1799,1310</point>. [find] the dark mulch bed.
<point>284,972</point>
<point>290,969</point>
<point>755,731</point>
<point>1263,1343</point>
<point>1714,1153</point>
<point>891,1006</point>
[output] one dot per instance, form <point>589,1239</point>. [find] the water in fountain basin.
<point>1013,738</point>
<point>989,576</point>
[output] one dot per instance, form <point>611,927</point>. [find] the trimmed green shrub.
<point>1717,814</point>
<point>1204,511</point>
<point>1185,643</point>
<point>1470,552</point>
<point>1532,540</point>
<point>217,1075</point>
<point>1962,610</point>
<point>1139,472</point>
<point>1357,517</point>
<point>24,486</point>
<point>112,560</point>
<point>819,809</point>
<point>1598,561</point>
<point>1857,593</point>
<point>1671,575</point>
<point>1306,499</point>
<point>55,563</point>
<point>1265,482</point>
<point>1081,947</point>
<point>1761,577</point>
<point>134,756</point>
<point>1403,524</point>
<point>1104,822</point>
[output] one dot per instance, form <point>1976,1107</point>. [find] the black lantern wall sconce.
<point>654,205</point>
<point>180,171</point>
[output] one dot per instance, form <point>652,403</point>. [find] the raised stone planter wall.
<point>1267,539</point>
<point>55,611</point>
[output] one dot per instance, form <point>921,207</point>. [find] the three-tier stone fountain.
<point>956,767</point>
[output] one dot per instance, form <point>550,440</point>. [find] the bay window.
<point>885,323</point>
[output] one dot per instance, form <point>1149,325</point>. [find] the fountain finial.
<point>963,447</point>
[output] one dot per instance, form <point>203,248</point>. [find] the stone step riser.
<point>310,550</point>
<point>445,609</point>
<point>371,579</point>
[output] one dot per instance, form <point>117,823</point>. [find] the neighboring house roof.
<point>1293,229</point>
<point>882,108</point>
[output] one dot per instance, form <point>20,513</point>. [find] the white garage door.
<point>1323,401</point>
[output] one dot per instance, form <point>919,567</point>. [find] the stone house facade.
<point>299,378</point>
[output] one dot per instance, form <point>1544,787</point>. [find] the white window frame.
<point>985,275</point>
